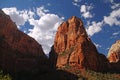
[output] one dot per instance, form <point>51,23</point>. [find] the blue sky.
<point>41,18</point>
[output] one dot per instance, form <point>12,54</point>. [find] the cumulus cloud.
<point>76,2</point>
<point>44,30</point>
<point>94,28</point>
<point>19,17</point>
<point>44,27</point>
<point>85,11</point>
<point>113,18</point>
<point>41,11</point>
<point>115,5</point>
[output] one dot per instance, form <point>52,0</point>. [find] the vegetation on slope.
<point>90,75</point>
<point>4,76</point>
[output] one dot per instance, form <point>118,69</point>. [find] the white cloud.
<point>76,2</point>
<point>116,33</point>
<point>41,11</point>
<point>111,1</point>
<point>97,45</point>
<point>94,28</point>
<point>44,27</point>
<point>19,17</point>
<point>115,5</point>
<point>113,18</point>
<point>83,8</point>
<point>85,11</point>
<point>48,4</point>
<point>87,15</point>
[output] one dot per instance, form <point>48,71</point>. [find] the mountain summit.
<point>73,47</point>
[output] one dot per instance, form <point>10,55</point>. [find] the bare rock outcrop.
<point>73,46</point>
<point>114,56</point>
<point>114,52</point>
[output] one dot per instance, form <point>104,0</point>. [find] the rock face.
<point>73,46</point>
<point>114,56</point>
<point>114,53</point>
<point>53,58</point>
<point>18,51</point>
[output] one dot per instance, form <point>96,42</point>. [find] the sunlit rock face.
<point>73,46</point>
<point>114,52</point>
<point>114,57</point>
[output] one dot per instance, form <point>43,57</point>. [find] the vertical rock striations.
<point>73,46</point>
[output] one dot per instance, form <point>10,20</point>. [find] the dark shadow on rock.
<point>53,58</point>
<point>103,63</point>
<point>58,75</point>
<point>33,68</point>
<point>52,75</point>
<point>115,67</point>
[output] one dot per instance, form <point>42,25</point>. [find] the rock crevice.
<point>73,46</point>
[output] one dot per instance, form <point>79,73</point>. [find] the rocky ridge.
<point>73,47</point>
<point>18,50</point>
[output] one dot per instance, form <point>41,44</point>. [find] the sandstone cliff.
<point>114,52</point>
<point>114,56</point>
<point>73,46</point>
<point>18,51</point>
